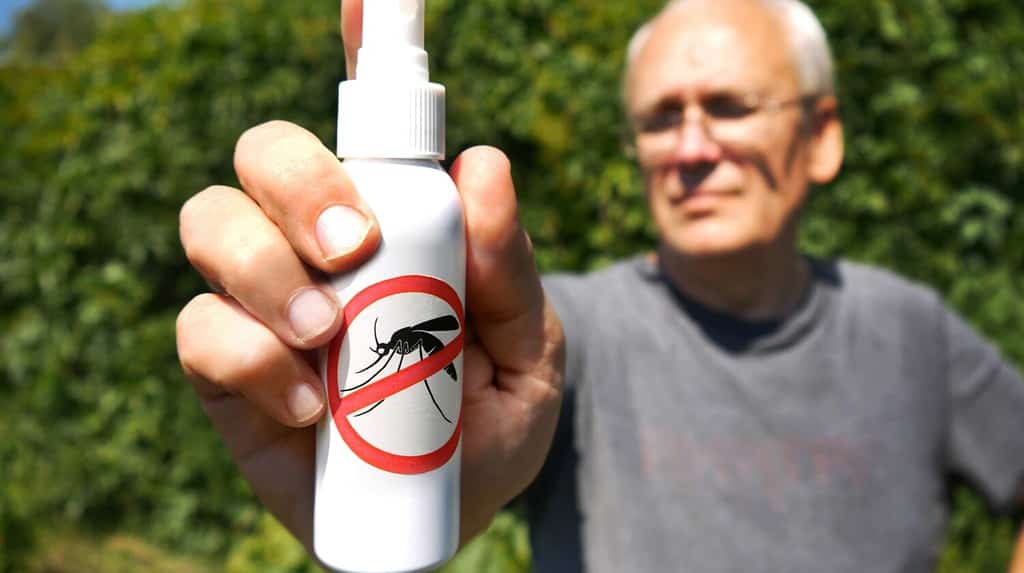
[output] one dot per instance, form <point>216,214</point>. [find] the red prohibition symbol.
<point>343,407</point>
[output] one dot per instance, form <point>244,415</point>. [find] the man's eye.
<point>728,107</point>
<point>659,122</point>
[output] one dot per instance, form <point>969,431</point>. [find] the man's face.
<point>733,174</point>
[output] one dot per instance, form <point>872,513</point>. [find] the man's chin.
<point>707,239</point>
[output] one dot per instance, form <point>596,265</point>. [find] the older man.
<point>738,406</point>
<point>729,404</point>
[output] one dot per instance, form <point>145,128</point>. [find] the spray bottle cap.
<point>391,110</point>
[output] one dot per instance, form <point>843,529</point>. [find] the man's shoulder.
<point>883,291</point>
<point>859,280</point>
<point>862,289</point>
<point>608,281</point>
<point>622,269</point>
<point>871,280</point>
<point>604,295</point>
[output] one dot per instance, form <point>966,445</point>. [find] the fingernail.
<point>304,402</point>
<point>310,313</point>
<point>340,230</point>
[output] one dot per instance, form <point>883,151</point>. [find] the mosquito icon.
<point>405,341</point>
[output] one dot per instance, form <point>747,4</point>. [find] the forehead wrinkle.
<point>721,45</point>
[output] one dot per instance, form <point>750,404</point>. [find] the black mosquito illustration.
<point>405,341</point>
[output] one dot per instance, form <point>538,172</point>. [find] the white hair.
<point>807,38</point>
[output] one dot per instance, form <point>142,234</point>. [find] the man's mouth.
<point>693,188</point>
<point>701,199</point>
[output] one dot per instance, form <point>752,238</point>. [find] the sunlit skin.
<point>727,211</point>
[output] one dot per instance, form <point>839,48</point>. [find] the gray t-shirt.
<point>691,441</point>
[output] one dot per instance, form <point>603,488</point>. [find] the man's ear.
<point>826,133</point>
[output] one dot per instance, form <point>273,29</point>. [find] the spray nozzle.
<point>393,41</point>
<point>393,23</point>
<point>391,110</point>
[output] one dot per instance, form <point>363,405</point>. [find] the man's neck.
<point>764,285</point>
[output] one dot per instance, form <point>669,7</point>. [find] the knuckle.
<point>258,135</point>
<point>194,310</point>
<point>242,365</point>
<point>229,361</point>
<point>224,240</point>
<point>548,396</point>
<point>245,263</point>
<point>189,218</point>
<point>303,168</point>
<point>260,140</point>
<point>284,158</point>
<point>200,212</point>
<point>189,331</point>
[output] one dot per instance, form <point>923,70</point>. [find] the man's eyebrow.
<point>666,102</point>
<point>671,102</point>
<point>728,92</point>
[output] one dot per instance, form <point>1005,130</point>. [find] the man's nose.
<point>696,143</point>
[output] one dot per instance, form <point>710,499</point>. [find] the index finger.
<point>351,32</point>
<point>302,187</point>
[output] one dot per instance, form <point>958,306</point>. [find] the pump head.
<point>393,41</point>
<point>391,110</point>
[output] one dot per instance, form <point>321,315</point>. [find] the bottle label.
<point>394,374</point>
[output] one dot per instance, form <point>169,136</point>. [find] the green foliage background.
<point>100,432</point>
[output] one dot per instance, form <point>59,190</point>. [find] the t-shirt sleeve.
<point>986,431</point>
<point>559,462</point>
<point>552,510</point>
<point>563,293</point>
<point>558,289</point>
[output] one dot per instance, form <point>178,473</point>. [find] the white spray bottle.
<point>388,451</point>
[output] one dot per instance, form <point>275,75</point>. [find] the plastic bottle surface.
<point>388,455</point>
<point>389,449</point>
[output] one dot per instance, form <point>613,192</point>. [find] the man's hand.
<point>249,351</point>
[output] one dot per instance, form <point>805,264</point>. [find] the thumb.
<point>504,298</point>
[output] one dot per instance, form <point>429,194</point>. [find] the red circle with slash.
<point>342,408</point>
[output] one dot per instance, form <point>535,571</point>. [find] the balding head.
<point>804,37</point>
<point>726,129</point>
